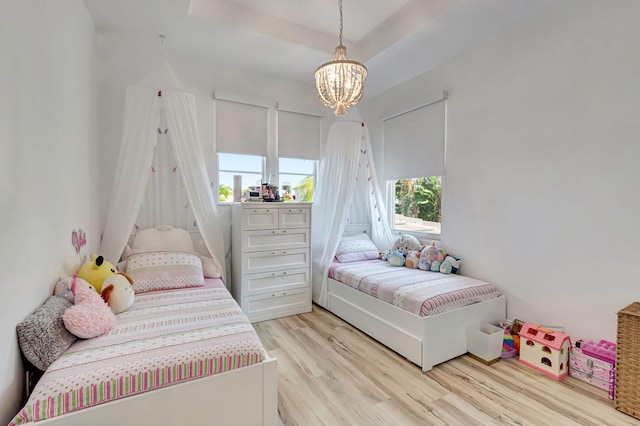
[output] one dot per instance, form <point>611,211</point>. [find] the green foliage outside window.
<point>419,198</point>
<point>304,191</point>
<point>226,193</point>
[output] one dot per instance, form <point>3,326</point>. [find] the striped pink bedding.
<point>166,337</point>
<point>420,292</point>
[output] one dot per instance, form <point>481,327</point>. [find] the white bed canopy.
<point>159,94</point>
<point>347,192</point>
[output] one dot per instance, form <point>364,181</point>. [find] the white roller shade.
<point>299,135</point>
<point>414,143</point>
<point>241,128</point>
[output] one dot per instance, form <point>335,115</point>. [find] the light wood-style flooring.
<point>329,373</point>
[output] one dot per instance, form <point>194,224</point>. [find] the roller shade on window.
<point>241,128</point>
<point>298,135</point>
<point>414,142</point>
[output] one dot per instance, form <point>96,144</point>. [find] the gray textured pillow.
<point>42,335</point>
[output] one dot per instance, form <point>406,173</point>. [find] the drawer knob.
<point>273,274</point>
<point>273,232</point>
<point>267,210</point>
<point>284,232</point>
<point>273,295</point>
<point>284,293</point>
<point>273,253</point>
<point>290,210</point>
<point>284,252</point>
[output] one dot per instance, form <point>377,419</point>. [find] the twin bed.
<point>181,354</point>
<point>421,315</point>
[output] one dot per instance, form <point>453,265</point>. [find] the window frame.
<point>263,162</point>
<point>314,175</point>
<point>391,209</point>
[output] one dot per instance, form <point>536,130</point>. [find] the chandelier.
<point>340,82</point>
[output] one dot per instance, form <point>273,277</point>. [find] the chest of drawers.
<point>270,258</point>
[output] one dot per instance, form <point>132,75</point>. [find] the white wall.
<point>47,163</point>
<point>541,193</point>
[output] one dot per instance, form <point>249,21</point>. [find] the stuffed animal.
<point>450,265</point>
<point>117,292</point>
<point>396,258</point>
<point>412,260</point>
<point>431,254</point>
<point>90,316</point>
<point>63,287</point>
<point>96,271</point>
<point>406,243</point>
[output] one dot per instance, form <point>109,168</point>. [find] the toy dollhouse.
<point>545,350</point>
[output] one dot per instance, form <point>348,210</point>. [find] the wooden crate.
<point>627,392</point>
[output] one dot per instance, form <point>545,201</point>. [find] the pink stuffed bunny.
<point>90,316</point>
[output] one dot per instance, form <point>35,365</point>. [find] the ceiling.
<point>396,39</point>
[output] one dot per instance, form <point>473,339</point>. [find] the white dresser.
<point>271,259</point>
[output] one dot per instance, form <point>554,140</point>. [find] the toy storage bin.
<point>484,340</point>
<point>627,391</point>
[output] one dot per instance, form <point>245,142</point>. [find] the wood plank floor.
<point>329,373</point>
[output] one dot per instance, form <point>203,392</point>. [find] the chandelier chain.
<point>340,7</point>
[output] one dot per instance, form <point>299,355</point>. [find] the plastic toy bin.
<point>484,340</point>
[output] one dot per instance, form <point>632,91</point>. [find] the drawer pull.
<point>273,274</point>
<point>284,273</point>
<point>273,232</point>
<point>284,232</point>
<point>284,293</point>
<point>290,210</point>
<point>284,252</point>
<point>273,253</point>
<point>267,210</point>
<point>255,211</point>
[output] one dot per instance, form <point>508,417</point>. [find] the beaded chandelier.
<point>340,82</point>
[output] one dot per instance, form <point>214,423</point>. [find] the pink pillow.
<point>164,270</point>
<point>90,316</point>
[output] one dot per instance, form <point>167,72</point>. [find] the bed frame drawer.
<point>276,260</point>
<point>295,217</point>
<point>276,304</point>
<point>275,281</point>
<point>275,239</point>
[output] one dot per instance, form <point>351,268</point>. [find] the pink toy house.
<point>545,350</point>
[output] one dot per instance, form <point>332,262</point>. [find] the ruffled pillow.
<point>164,270</point>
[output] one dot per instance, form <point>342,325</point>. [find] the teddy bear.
<point>117,292</point>
<point>96,271</point>
<point>90,316</point>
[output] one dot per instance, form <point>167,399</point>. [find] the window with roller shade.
<point>241,134</point>
<point>299,137</point>
<point>414,147</point>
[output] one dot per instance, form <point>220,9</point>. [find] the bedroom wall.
<point>47,163</point>
<point>541,193</point>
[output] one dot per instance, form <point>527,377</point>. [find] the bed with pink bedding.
<point>166,338</point>
<point>422,293</point>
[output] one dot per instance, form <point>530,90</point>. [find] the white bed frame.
<point>425,341</point>
<point>244,396</point>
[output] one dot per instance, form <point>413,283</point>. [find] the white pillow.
<point>163,238</point>
<point>355,248</point>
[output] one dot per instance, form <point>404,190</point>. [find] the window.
<point>417,204</point>
<point>250,167</point>
<point>297,178</point>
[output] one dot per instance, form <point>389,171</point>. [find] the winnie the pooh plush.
<point>117,292</point>
<point>96,271</point>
